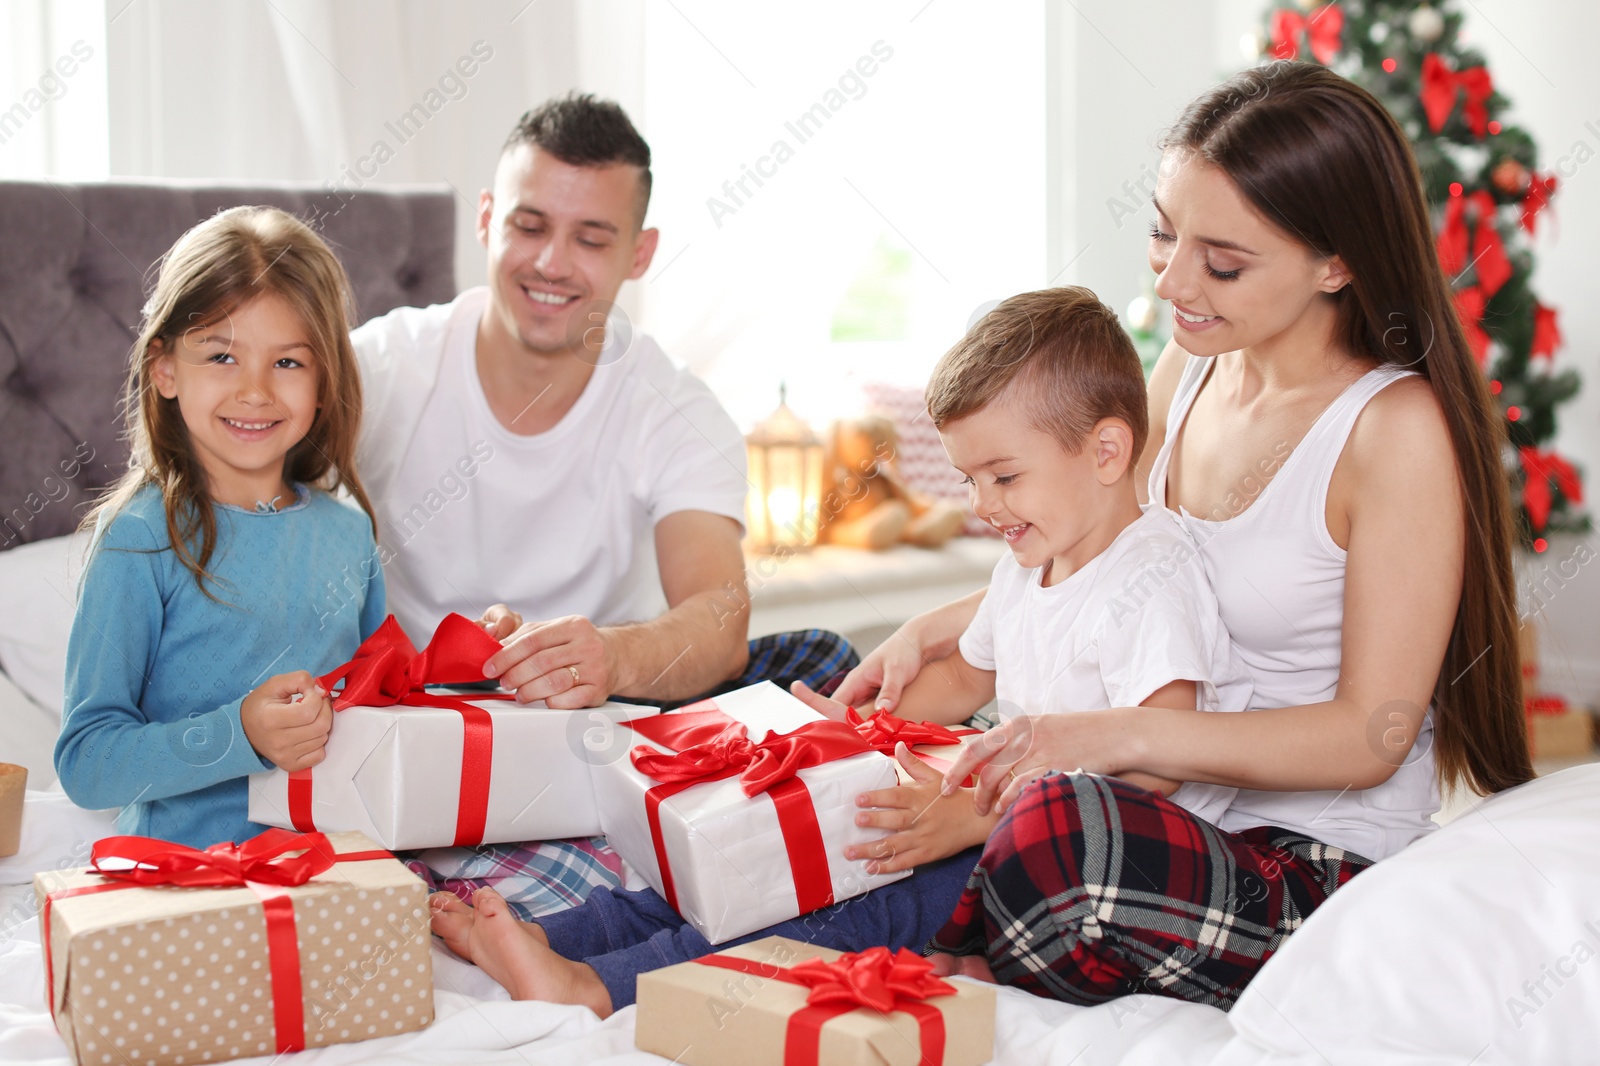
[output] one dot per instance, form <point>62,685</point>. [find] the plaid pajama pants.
<point>538,878</point>
<point>1091,888</point>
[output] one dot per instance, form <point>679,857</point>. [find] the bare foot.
<point>973,966</point>
<point>524,965</point>
<point>452,922</point>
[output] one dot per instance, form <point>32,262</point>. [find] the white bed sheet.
<point>476,1022</point>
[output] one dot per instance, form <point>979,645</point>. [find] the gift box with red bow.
<point>738,809</point>
<point>159,953</point>
<point>782,1001</point>
<point>413,767</point>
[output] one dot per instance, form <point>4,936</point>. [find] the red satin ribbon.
<point>387,671</point>
<point>261,864</point>
<point>884,730</point>
<point>1539,470</point>
<point>1322,29</point>
<point>874,978</point>
<point>710,746</point>
<point>1441,86</point>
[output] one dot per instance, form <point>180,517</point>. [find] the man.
<point>522,444</point>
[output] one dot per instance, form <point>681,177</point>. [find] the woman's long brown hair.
<point>218,266</point>
<point>1323,160</point>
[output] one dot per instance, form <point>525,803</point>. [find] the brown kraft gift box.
<point>702,1014</point>
<point>163,974</point>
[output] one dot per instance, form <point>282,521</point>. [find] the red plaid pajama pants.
<point>1091,888</point>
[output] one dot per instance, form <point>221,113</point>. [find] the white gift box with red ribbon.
<point>728,861</point>
<point>409,777</point>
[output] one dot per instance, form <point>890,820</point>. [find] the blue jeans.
<point>622,934</point>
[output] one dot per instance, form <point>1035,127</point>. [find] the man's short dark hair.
<point>582,131</point>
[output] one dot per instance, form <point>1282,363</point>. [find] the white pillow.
<point>1479,943</point>
<point>38,593</point>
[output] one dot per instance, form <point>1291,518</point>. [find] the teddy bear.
<point>867,504</point>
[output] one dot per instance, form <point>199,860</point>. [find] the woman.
<point>1319,425</point>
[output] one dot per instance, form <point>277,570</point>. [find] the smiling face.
<point>561,239</point>
<point>1235,280</point>
<point>1050,505</point>
<point>246,386</point>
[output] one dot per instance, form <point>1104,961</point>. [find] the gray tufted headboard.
<point>75,268</point>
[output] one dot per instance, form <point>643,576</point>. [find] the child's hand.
<point>291,733</point>
<point>926,826</point>
<point>832,709</point>
<point>500,621</point>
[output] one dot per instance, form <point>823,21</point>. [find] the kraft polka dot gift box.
<point>162,954</point>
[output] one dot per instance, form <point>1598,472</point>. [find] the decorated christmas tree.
<point>1488,198</point>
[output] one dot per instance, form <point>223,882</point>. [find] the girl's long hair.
<point>1324,161</point>
<point>218,266</point>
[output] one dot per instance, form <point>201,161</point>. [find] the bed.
<point>1475,945</point>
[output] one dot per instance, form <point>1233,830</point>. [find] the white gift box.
<point>394,773</point>
<point>727,852</point>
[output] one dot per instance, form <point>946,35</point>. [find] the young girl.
<point>222,559</point>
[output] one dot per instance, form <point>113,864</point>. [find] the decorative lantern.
<point>785,481</point>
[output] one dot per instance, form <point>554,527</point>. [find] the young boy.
<point>1042,406</point>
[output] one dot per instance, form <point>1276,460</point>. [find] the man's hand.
<point>500,621</point>
<point>292,734</point>
<point>566,662</point>
<point>925,825</point>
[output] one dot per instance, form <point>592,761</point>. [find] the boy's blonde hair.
<point>214,268</point>
<point>1059,354</point>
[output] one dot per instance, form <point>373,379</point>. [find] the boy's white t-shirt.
<point>557,523</point>
<point>1135,618</point>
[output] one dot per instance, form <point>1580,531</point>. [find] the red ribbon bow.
<point>1441,86</point>
<point>1537,198</point>
<point>386,671</point>
<point>263,859</point>
<point>1488,250</point>
<point>875,979</point>
<point>1544,705</point>
<point>1323,30</point>
<point>262,864</point>
<point>884,730</point>
<point>710,746</point>
<point>1470,304</point>
<point>1546,333</point>
<point>1540,469</point>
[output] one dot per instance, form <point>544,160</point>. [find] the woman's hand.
<point>895,663</point>
<point>1020,749</point>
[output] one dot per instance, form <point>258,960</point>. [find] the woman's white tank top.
<point>1279,581</point>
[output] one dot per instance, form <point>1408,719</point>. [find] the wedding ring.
<point>1013,773</point>
<point>575,681</point>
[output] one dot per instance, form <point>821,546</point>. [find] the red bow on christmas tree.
<point>1537,198</point>
<point>1440,86</point>
<point>1540,469</point>
<point>1546,334</point>
<point>1470,303</point>
<point>1322,29</point>
<point>1488,250</point>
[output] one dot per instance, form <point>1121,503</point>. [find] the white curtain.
<point>53,81</point>
<point>358,93</point>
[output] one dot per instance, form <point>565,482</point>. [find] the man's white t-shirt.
<point>556,523</point>
<point>1135,618</point>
